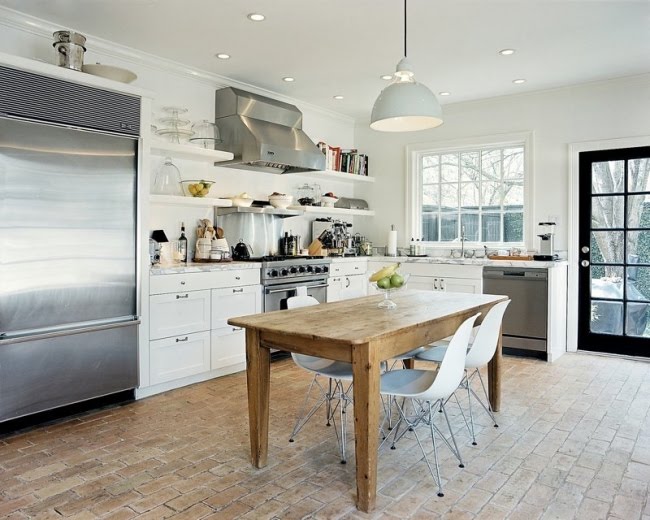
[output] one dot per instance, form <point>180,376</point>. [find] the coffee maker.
<point>546,243</point>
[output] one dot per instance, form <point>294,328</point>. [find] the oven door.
<point>276,296</point>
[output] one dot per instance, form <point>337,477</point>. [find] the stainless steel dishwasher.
<point>525,321</point>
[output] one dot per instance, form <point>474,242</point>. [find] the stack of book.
<point>344,160</point>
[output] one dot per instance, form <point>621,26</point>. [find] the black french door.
<point>614,238</point>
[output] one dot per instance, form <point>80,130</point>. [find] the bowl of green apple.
<point>388,280</point>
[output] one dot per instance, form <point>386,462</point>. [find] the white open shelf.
<point>176,200</point>
<point>188,151</point>
<point>321,210</point>
<point>333,175</point>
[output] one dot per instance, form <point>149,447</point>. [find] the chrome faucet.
<point>462,242</point>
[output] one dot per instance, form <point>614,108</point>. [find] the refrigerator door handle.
<point>27,335</point>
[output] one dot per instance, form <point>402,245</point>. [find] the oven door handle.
<point>273,291</point>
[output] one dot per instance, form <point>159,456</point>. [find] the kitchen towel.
<point>391,247</point>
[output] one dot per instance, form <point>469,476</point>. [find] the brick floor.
<point>573,442</point>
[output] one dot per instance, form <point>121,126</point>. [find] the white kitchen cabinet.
<point>179,313</point>
<point>179,356</point>
<point>228,344</point>
<point>465,285</point>
<point>346,287</point>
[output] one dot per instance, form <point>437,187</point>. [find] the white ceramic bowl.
<point>242,203</point>
<point>280,201</point>
<point>328,202</point>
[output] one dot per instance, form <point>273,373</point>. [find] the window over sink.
<point>476,190</point>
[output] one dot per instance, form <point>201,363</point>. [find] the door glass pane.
<point>638,175</point>
<point>606,317</point>
<point>470,225</point>
<point>638,283</point>
<point>636,323</point>
<point>607,246</point>
<point>449,227</point>
<point>513,227</point>
<point>430,226</point>
<point>491,227</point>
<point>607,177</point>
<point>607,212</point>
<point>449,167</point>
<point>638,211</point>
<point>638,247</point>
<point>607,282</point>
<point>469,166</point>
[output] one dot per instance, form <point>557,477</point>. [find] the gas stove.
<point>276,269</point>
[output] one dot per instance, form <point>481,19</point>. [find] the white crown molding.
<point>44,29</point>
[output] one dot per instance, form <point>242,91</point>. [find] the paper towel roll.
<point>391,247</point>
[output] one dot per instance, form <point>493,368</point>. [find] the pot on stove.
<point>241,251</point>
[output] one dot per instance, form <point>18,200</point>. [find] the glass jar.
<point>168,179</point>
<point>206,134</point>
<point>306,195</point>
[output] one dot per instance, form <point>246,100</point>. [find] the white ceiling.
<point>342,47</point>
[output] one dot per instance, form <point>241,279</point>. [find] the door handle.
<point>180,296</point>
<point>584,249</point>
<point>238,290</point>
<point>584,263</point>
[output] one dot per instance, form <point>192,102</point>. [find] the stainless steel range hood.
<point>264,134</point>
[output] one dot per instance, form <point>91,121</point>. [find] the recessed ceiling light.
<point>444,93</point>
<point>519,81</point>
<point>256,17</point>
<point>288,79</point>
<point>223,56</point>
<point>386,77</point>
<point>338,97</point>
<point>506,52</point>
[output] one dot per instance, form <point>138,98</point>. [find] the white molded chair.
<point>428,391</point>
<point>336,396</point>
<point>481,351</point>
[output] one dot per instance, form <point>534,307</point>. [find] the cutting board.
<point>515,258</point>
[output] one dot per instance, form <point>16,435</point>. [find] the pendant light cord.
<point>405,28</point>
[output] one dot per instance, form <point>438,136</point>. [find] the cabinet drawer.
<point>348,268</point>
<point>178,313</point>
<point>443,270</point>
<point>227,347</point>
<point>166,283</point>
<point>180,356</point>
<point>235,301</point>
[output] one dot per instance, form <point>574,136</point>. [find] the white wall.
<point>606,110</point>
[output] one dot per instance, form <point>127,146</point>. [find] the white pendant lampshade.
<point>405,105</point>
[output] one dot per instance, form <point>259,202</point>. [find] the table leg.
<point>365,369</point>
<point>258,378</point>
<point>494,377</point>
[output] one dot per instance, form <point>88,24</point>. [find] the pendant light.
<point>405,105</point>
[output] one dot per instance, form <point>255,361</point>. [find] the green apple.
<point>384,283</point>
<point>397,280</point>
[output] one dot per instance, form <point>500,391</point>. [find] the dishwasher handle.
<point>515,273</point>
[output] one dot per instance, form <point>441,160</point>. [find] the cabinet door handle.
<point>238,290</point>
<point>237,277</point>
<point>182,282</point>
<point>356,267</point>
<point>347,282</point>
<point>235,329</point>
<point>442,284</point>
<point>178,340</point>
<point>182,296</point>
<point>435,284</point>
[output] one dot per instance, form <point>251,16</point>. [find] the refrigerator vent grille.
<point>41,98</point>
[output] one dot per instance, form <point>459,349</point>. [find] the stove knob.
<point>325,268</point>
<point>301,269</point>
<point>284,272</point>
<point>317,269</point>
<point>294,270</point>
<point>273,272</point>
<point>310,269</point>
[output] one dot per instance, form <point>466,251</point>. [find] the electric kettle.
<point>241,251</point>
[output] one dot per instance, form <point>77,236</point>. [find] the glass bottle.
<point>168,179</point>
<point>182,244</point>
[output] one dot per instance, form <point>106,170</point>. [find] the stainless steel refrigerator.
<point>68,244</point>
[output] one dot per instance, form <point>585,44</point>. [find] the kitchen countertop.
<point>192,267</point>
<point>465,261</point>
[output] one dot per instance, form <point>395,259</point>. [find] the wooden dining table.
<point>359,332</point>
